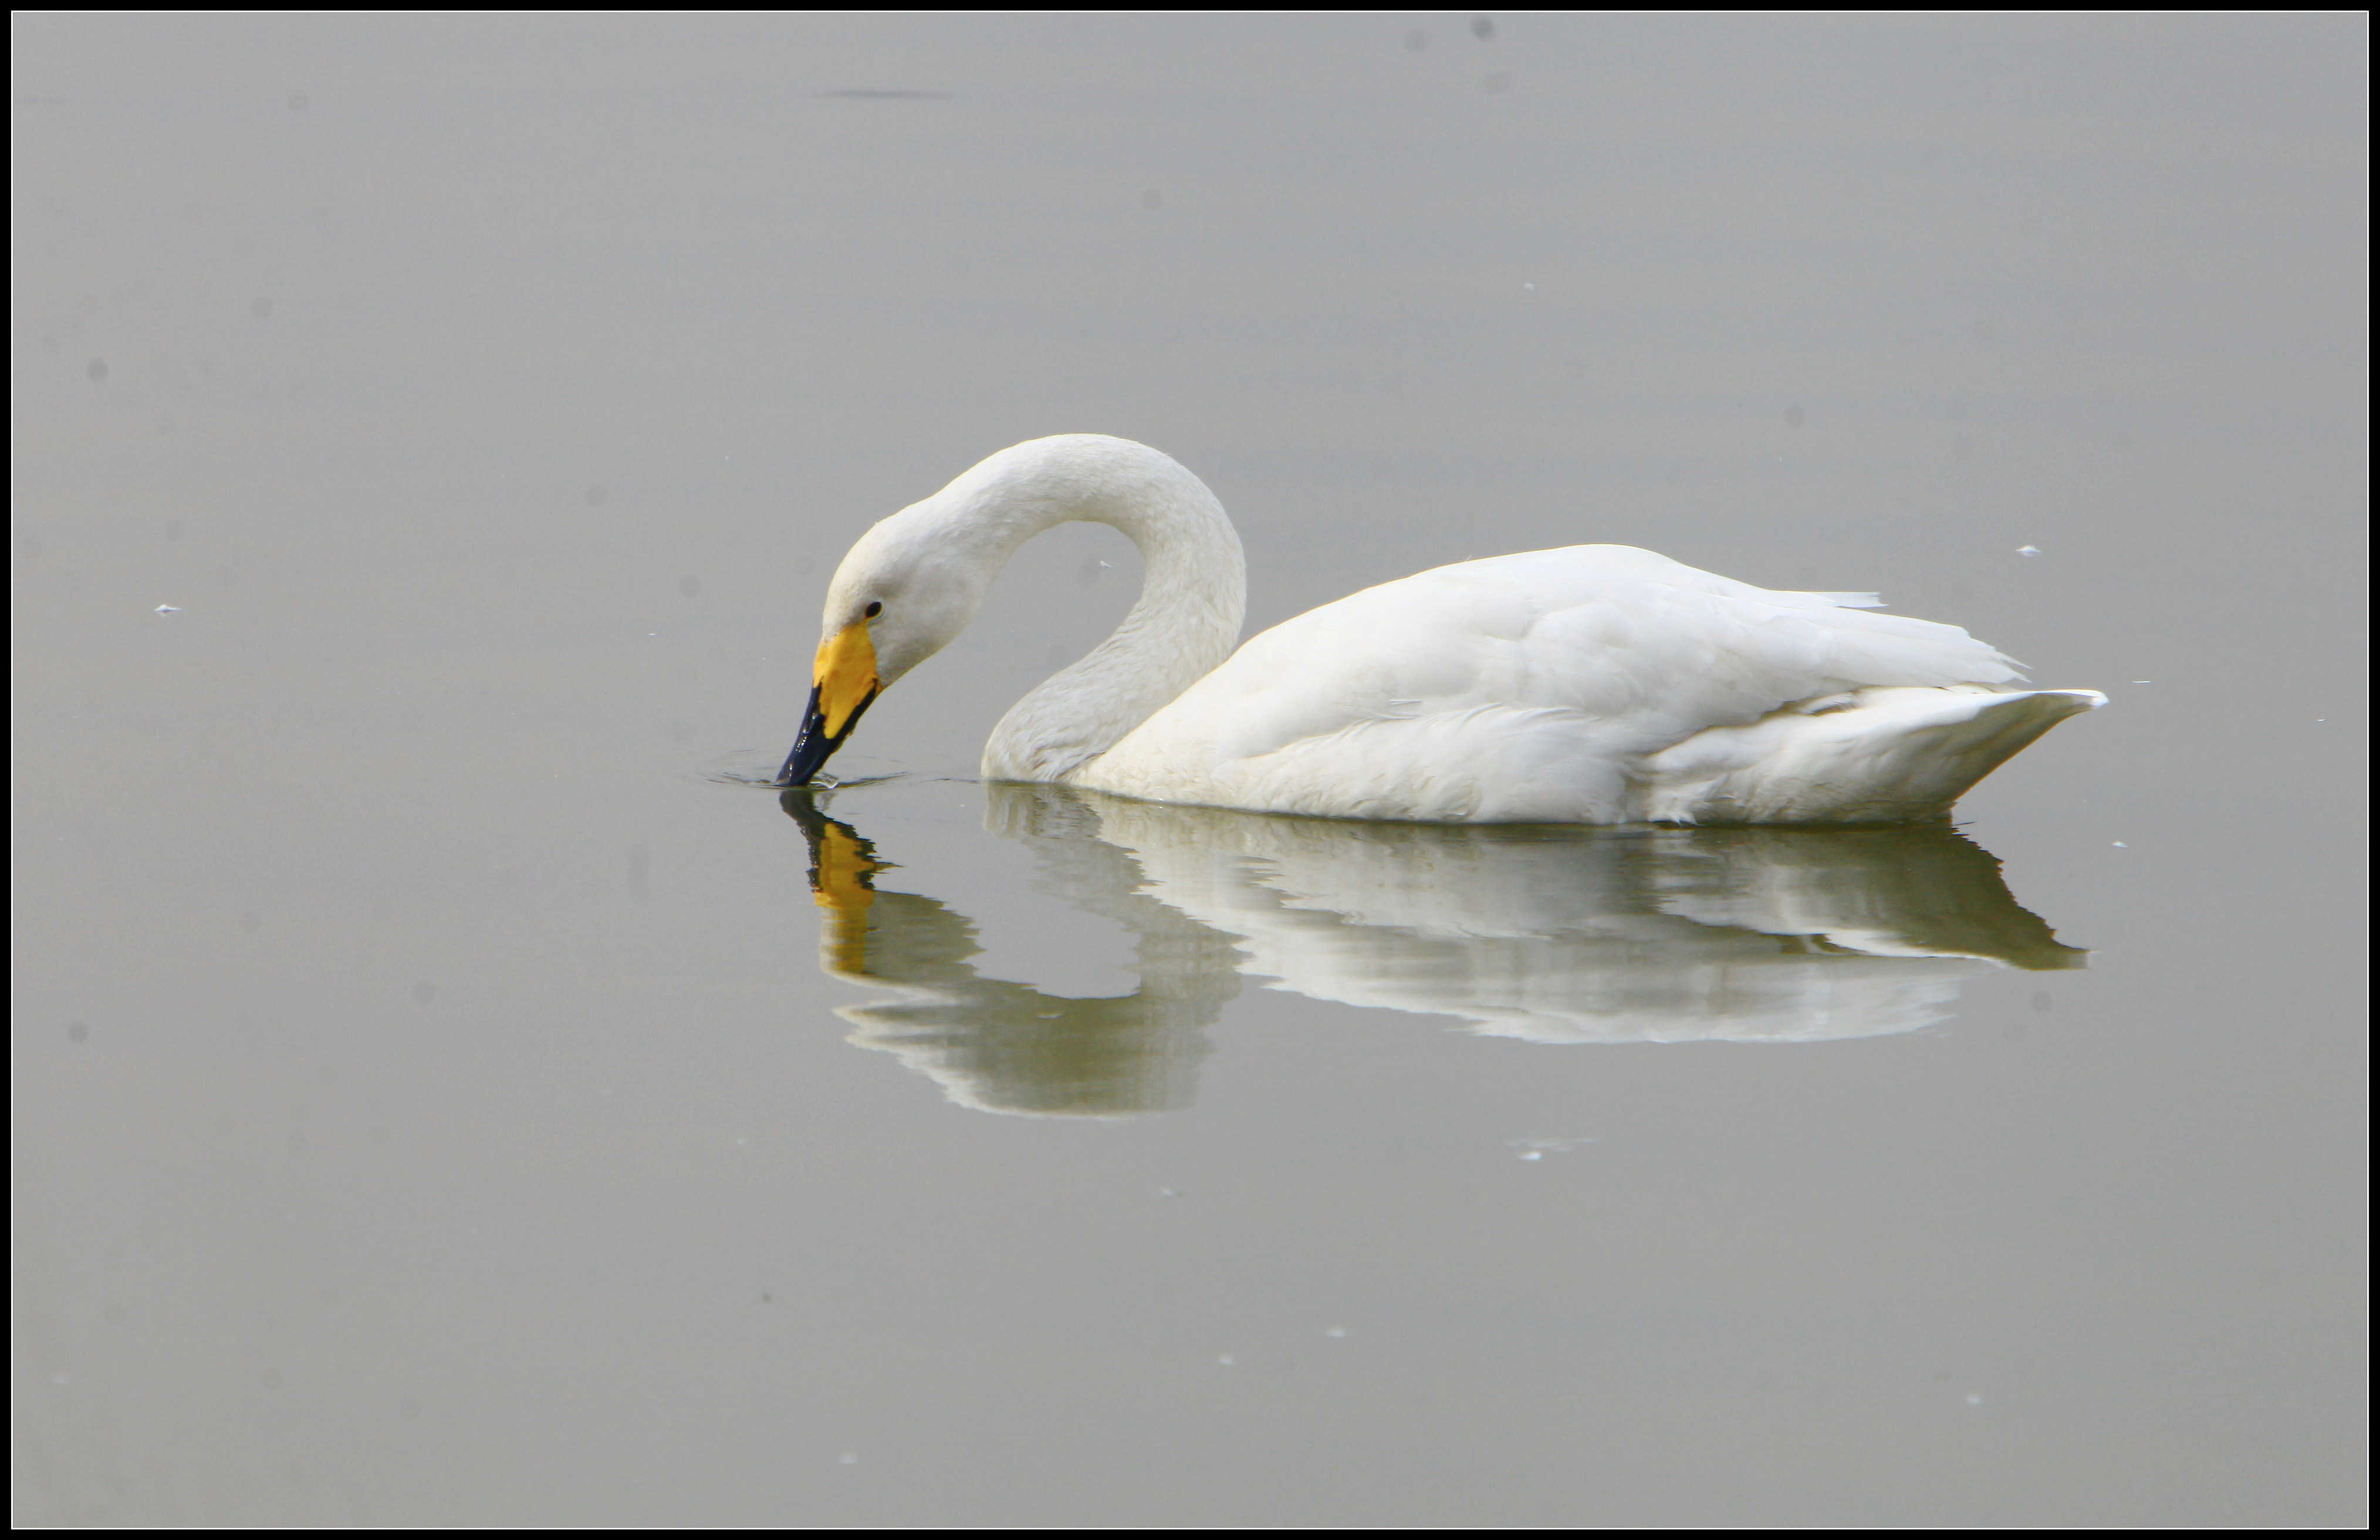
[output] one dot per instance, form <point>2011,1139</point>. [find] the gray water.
<point>445,1092</point>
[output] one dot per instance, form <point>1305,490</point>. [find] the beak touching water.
<point>842,686</point>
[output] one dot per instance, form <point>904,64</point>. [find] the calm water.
<point>443,1094</point>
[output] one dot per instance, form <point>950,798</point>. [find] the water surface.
<point>439,1099</point>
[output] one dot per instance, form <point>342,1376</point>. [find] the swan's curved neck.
<point>1193,594</point>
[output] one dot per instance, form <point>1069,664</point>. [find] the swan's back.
<point>1546,686</point>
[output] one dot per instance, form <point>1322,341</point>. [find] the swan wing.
<point>1528,686</point>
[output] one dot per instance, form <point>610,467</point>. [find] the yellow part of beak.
<point>845,675</point>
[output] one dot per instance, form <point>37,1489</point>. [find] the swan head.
<point>913,582</point>
<point>903,593</point>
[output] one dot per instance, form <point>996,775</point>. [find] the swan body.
<point>1593,684</point>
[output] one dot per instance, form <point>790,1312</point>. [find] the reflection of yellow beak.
<point>845,675</point>
<point>842,885</point>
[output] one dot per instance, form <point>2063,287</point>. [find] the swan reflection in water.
<point>1549,934</point>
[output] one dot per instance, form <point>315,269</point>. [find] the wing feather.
<point>1608,653</point>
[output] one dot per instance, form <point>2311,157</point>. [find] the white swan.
<point>1594,683</point>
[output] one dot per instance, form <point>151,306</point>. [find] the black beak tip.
<point>812,746</point>
<point>800,769</point>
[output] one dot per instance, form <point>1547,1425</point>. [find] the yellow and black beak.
<point>843,685</point>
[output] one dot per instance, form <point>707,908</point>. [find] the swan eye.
<point>875,608</point>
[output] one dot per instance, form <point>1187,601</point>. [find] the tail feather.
<point>1884,756</point>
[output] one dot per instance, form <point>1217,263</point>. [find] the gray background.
<point>427,1104</point>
